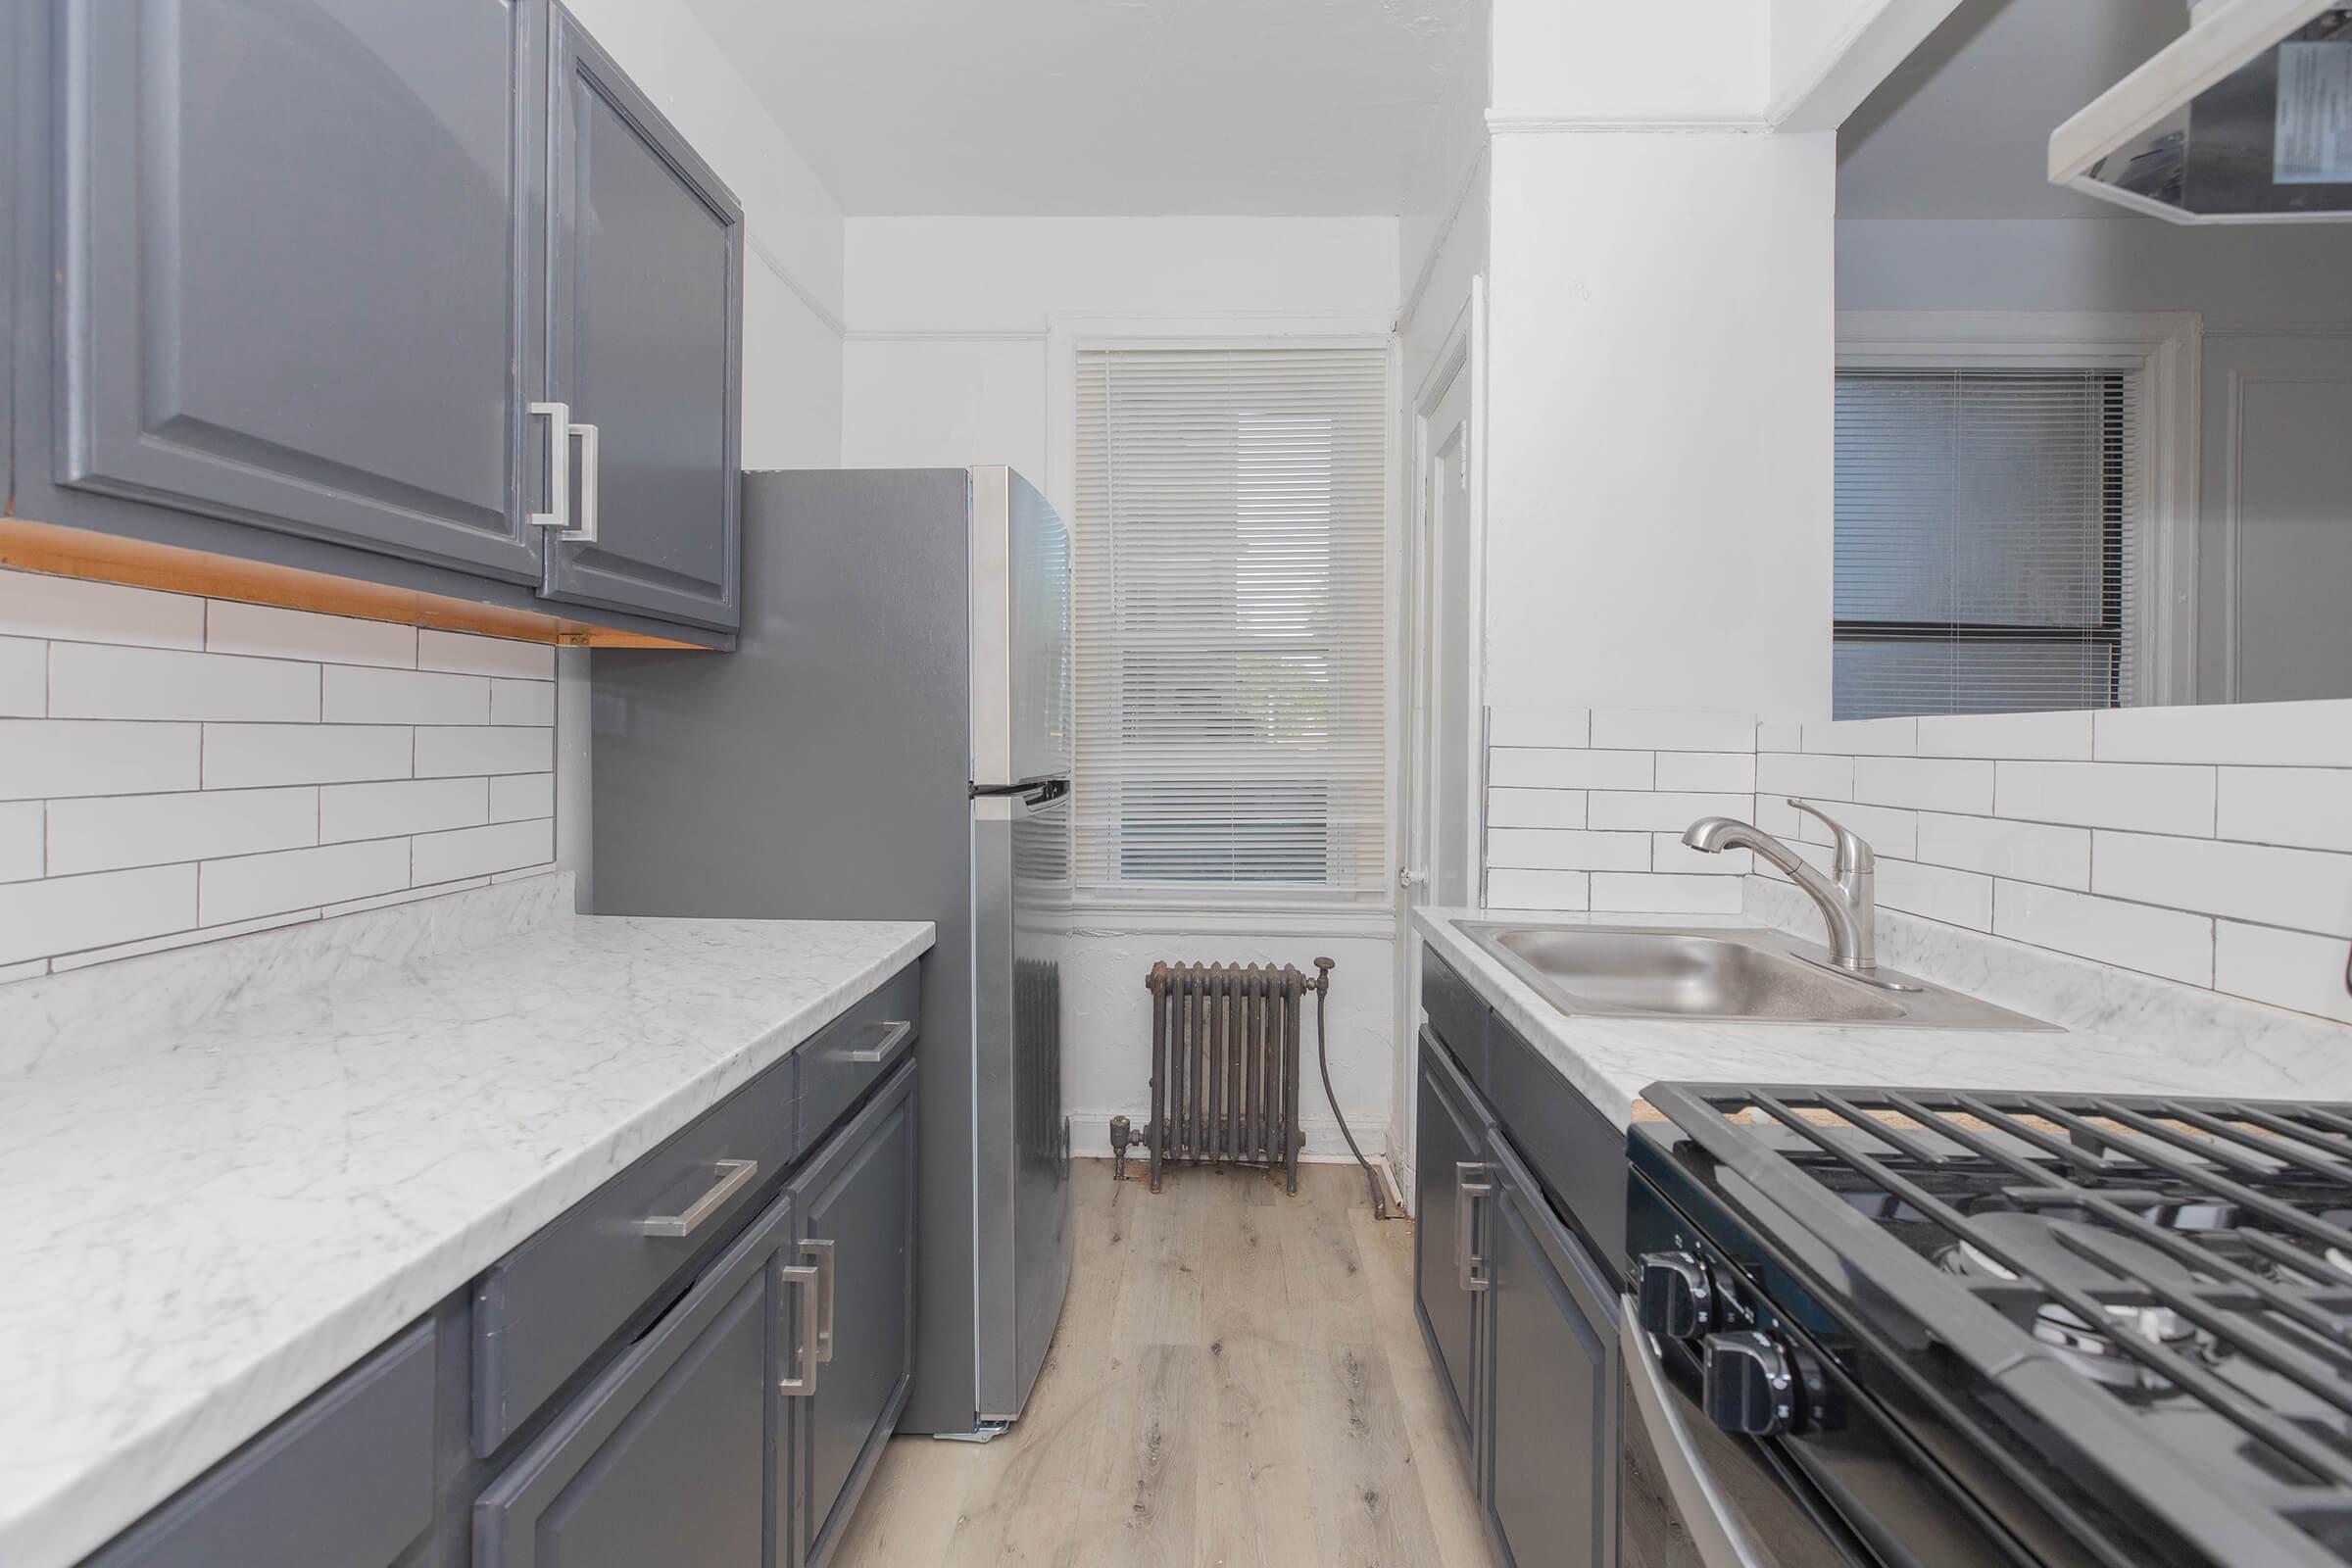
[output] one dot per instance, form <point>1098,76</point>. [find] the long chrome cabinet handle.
<point>821,1249</point>
<point>1470,1184</point>
<point>734,1175</point>
<point>1709,1522</point>
<point>558,465</point>
<point>803,1384</point>
<point>893,1032</point>
<point>590,463</point>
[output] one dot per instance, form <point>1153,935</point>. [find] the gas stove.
<point>2013,1328</point>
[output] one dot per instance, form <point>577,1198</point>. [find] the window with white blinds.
<point>1987,524</point>
<point>1230,624</point>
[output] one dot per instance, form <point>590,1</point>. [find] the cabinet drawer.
<point>541,1311</point>
<point>344,1482</point>
<point>855,1051</point>
<point>1455,1012</point>
<point>1578,1154</point>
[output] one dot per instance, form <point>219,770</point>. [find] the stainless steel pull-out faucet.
<point>1849,905</point>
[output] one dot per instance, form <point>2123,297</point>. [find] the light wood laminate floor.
<point>1237,1383</point>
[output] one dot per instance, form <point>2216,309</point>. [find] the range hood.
<point>2245,119</point>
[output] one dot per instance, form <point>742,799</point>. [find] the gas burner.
<point>2097,1349</point>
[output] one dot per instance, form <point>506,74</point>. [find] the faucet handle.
<point>1855,853</point>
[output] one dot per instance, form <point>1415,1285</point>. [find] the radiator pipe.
<point>1323,968</point>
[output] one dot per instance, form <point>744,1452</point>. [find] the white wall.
<point>793,274</point>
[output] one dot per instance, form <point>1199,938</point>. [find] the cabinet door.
<point>1447,1233</point>
<point>290,261</point>
<point>855,1207</point>
<point>1552,1398</point>
<point>645,345</point>
<point>666,1457</point>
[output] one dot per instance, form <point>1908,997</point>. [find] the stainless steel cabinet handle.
<point>585,533</point>
<point>892,1034</point>
<point>1470,1184</point>
<point>558,465</point>
<point>734,1175</point>
<point>1708,1521</point>
<point>821,1249</point>
<point>802,1384</point>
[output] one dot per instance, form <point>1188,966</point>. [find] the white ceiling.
<point>1962,128</point>
<point>1112,107</point>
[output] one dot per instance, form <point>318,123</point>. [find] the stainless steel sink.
<point>1745,974</point>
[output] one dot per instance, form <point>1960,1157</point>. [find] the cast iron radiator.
<point>1224,1066</point>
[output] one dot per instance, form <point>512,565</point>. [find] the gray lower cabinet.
<point>645,258</point>
<point>854,1216</point>
<point>1448,1177</point>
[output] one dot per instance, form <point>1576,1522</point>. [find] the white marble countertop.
<point>209,1221</point>
<point>2124,1033</point>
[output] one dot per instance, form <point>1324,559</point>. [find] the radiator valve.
<point>1122,1134</point>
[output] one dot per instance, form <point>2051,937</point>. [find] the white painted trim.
<point>1856,64</point>
<point>1374,921</point>
<point>1550,122</point>
<point>946,334</point>
<point>791,280</point>
<point>1427,270</point>
<point>2165,348</point>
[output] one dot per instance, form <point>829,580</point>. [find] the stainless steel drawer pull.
<point>803,1384</point>
<point>734,1175</point>
<point>821,1249</point>
<point>892,1033</point>
<point>1470,1184</point>
<point>558,465</point>
<point>585,533</point>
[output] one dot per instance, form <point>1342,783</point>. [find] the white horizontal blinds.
<point>1986,521</point>
<point>1230,623</point>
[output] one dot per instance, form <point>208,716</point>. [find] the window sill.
<point>1160,920</point>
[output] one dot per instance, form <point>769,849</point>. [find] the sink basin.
<point>1734,973</point>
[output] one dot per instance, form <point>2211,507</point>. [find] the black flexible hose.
<point>1323,968</point>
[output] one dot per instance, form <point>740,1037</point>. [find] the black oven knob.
<point>1678,1299</point>
<point>1750,1383</point>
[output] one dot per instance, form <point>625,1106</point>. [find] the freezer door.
<point>1020,621</point>
<point>1022,1225</point>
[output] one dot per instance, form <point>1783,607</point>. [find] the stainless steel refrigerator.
<point>891,741</point>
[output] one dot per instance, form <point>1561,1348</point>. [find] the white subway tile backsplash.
<point>2308,890</point>
<point>231,627</point>
<point>293,879</point>
<point>516,796</point>
<point>1889,830</point>
<point>1646,893</point>
<point>63,914</point>
<point>2057,737</point>
<point>1557,768</point>
<point>1817,778</point>
<point>98,680</point>
<point>1937,892</point>
<point>363,696</point>
<point>470,655</point>
<point>1669,853</point>
<point>108,832</point>
<point>1558,850</point>
<point>488,749</point>
<point>24,678</point>
<point>35,605</point>
<point>1775,735</point>
<point>1538,889</point>
<point>1930,784</point>
<point>49,757</point>
<point>243,756</point>
<point>1540,726</point>
<point>1708,770</point>
<point>19,840</point>
<point>2310,806</point>
<point>2027,852</point>
<point>480,851</point>
<point>404,896</point>
<point>1659,730</point>
<point>180,939</point>
<point>2314,734</point>
<point>1865,737</point>
<point>2284,968</point>
<point>2148,799</point>
<point>348,811</point>
<point>1535,808</point>
<point>2132,936</point>
<point>522,702</point>
<point>1659,811</point>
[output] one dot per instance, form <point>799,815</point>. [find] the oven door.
<point>1690,1491</point>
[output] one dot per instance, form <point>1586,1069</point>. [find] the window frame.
<point>2163,349</point>
<point>1273,909</point>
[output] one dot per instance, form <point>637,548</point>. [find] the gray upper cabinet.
<point>645,295</point>
<point>290,270</point>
